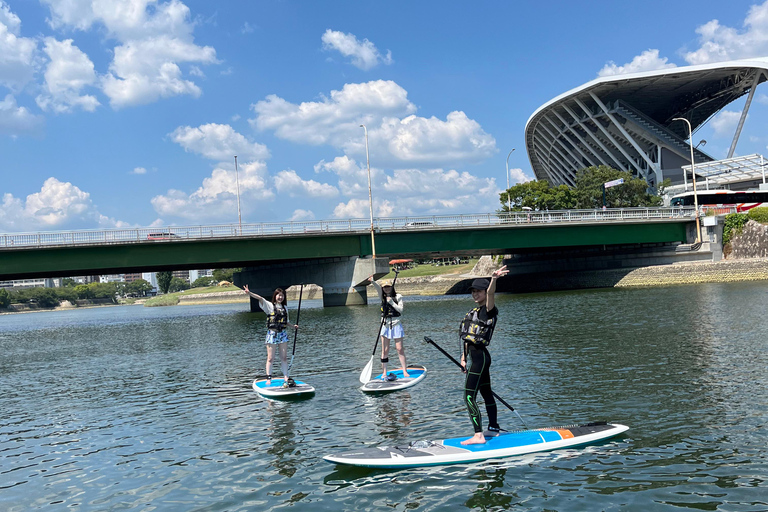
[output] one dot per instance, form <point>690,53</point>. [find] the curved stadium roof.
<point>626,121</point>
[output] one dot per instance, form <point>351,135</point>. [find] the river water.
<point>134,408</point>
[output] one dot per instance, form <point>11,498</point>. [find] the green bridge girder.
<point>63,261</point>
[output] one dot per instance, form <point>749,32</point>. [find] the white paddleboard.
<point>451,451</point>
<point>378,384</point>
<point>276,390</point>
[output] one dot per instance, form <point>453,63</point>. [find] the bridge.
<point>335,254</point>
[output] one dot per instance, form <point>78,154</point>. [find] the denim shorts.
<point>273,338</point>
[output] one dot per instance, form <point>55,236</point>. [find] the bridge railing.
<point>169,234</point>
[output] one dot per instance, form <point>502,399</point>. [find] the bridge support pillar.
<point>343,279</point>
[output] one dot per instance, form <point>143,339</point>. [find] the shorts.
<point>274,338</point>
<point>394,332</point>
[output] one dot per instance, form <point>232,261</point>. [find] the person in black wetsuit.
<point>475,332</point>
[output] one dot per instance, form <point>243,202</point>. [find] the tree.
<point>633,192</point>
<point>68,282</point>
<point>224,274</point>
<point>177,285</point>
<point>139,287</point>
<point>5,298</point>
<point>83,291</point>
<point>537,195</point>
<point>202,282</point>
<point>164,280</point>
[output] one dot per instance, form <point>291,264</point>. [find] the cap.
<point>480,284</point>
<point>386,283</point>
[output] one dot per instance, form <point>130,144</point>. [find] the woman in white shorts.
<point>277,323</point>
<point>392,329</point>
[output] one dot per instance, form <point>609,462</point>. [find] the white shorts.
<point>396,331</point>
<point>274,338</point>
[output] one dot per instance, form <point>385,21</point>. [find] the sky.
<point>129,113</point>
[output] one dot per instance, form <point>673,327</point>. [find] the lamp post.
<point>508,200</point>
<point>693,172</point>
<point>370,197</point>
<point>237,181</point>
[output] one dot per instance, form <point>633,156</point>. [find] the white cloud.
<point>216,199</point>
<point>725,122</point>
<point>352,179</point>
<point>762,98</point>
<point>300,215</point>
<point>364,54</point>
<point>139,170</point>
<point>15,120</point>
<point>392,140</point>
<point>154,38</point>
<point>218,142</point>
<point>58,205</point>
<point>333,120</point>
<point>68,72</point>
<point>360,209</point>
<point>649,60</point>
<point>719,43</point>
<point>418,140</point>
<point>288,182</point>
<point>518,176</point>
<point>17,54</point>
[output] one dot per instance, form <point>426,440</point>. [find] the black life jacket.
<point>388,311</point>
<point>477,331</point>
<point>278,320</point>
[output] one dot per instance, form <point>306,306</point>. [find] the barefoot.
<point>478,438</point>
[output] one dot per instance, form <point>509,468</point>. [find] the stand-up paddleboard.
<point>451,451</point>
<point>380,384</point>
<point>276,389</point>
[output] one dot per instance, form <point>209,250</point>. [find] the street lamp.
<point>693,172</point>
<point>237,181</point>
<point>370,197</point>
<point>508,199</point>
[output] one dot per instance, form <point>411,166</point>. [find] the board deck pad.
<point>276,389</point>
<point>451,451</point>
<point>416,374</point>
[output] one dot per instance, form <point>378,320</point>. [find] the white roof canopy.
<point>732,170</point>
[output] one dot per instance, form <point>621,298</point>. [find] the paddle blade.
<point>365,375</point>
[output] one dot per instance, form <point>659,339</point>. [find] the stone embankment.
<point>752,242</point>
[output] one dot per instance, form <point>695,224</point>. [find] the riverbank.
<point>725,271</point>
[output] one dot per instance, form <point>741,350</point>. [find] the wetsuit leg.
<point>478,379</point>
<point>487,394</point>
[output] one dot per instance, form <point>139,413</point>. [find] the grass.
<point>211,289</point>
<point>431,270</point>
<point>170,299</point>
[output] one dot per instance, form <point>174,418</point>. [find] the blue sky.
<point>128,113</point>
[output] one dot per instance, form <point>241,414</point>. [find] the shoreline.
<point>724,271</point>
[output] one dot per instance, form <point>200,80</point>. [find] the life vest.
<point>388,311</point>
<point>476,331</point>
<point>278,320</point>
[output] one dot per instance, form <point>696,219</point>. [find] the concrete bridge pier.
<point>343,279</point>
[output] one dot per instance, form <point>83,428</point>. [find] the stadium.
<point>628,122</point>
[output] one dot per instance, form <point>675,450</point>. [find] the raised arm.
<point>377,286</point>
<point>265,305</point>
<point>490,301</point>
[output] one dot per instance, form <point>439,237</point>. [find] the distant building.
<point>112,278</point>
<point>129,278</point>
<point>194,275</point>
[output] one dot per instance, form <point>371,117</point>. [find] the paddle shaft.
<point>383,319</point>
<point>296,331</point>
<point>449,356</point>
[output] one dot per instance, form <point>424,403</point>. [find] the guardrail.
<point>172,234</point>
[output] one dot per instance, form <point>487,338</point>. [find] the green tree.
<point>68,282</point>
<point>164,280</point>
<point>103,290</point>
<point>139,287</point>
<point>537,195</point>
<point>177,285</point>
<point>5,298</point>
<point>83,291</point>
<point>45,297</point>
<point>224,274</point>
<point>633,192</point>
<point>202,282</point>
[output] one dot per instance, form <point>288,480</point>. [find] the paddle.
<point>365,375</point>
<point>449,356</point>
<point>296,331</point>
